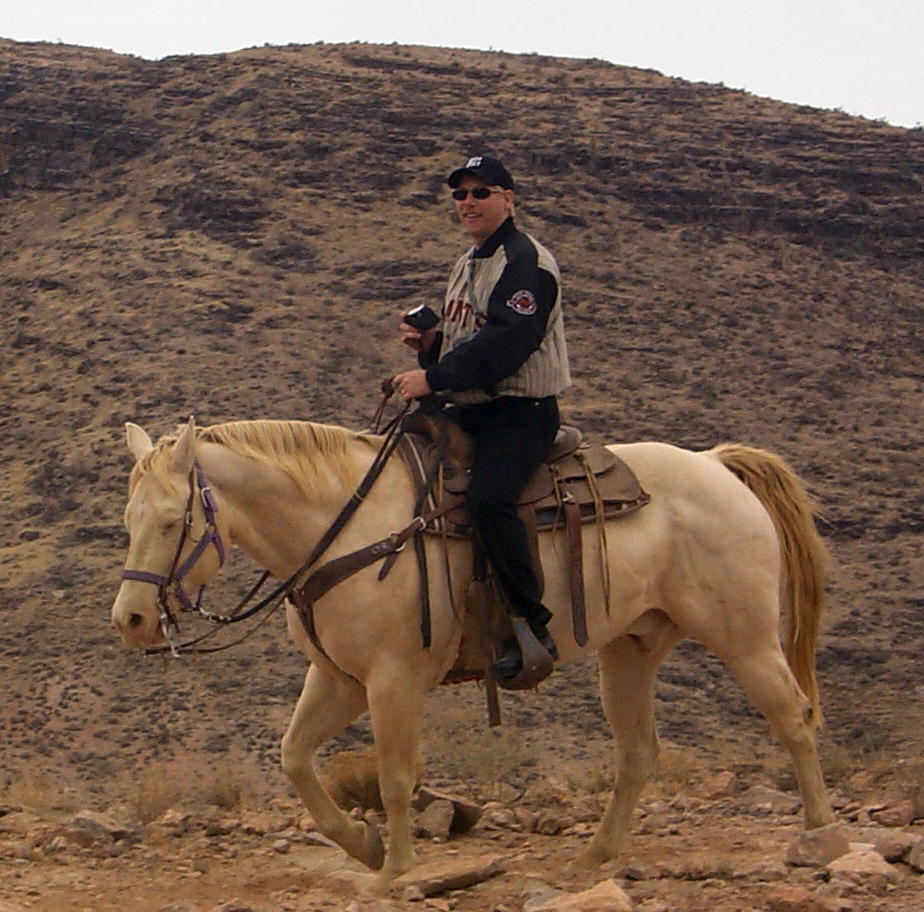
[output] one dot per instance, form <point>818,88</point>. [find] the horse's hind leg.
<point>768,682</point>
<point>628,668</point>
<point>326,706</point>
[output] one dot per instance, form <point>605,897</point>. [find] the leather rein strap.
<point>339,569</point>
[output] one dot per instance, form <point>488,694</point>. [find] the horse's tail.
<point>792,510</point>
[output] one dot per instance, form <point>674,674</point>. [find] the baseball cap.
<point>488,169</point>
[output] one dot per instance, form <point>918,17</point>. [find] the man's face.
<point>480,218</point>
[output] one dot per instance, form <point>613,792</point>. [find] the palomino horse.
<point>726,542</point>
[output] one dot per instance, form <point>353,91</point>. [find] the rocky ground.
<point>232,236</point>
<point>723,846</point>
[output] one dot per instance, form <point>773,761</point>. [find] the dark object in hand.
<point>421,318</point>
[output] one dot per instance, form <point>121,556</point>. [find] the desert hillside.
<point>232,236</point>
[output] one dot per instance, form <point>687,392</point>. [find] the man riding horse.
<point>498,354</point>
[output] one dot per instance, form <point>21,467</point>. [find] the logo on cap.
<point>474,162</point>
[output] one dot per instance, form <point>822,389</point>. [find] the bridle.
<point>172,583</point>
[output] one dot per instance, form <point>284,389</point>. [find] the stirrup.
<point>537,663</point>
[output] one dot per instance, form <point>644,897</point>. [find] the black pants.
<point>512,436</point>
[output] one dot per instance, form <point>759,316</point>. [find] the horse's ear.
<point>139,444</point>
<point>181,459</point>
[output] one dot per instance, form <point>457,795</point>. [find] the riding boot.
<point>510,662</point>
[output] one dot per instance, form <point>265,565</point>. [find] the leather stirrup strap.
<point>575,567</point>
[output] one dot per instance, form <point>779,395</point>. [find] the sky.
<point>865,57</point>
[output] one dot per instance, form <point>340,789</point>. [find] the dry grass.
<point>678,771</point>
<point>911,779</point>
<point>469,750</point>
<point>41,792</point>
<point>352,779</point>
<point>230,786</point>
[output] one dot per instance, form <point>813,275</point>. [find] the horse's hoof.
<point>373,848</point>
<point>586,861</point>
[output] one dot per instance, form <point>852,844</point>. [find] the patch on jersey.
<point>523,302</point>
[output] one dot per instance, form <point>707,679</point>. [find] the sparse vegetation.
<point>189,782</point>
<point>351,777</point>
<point>41,791</point>
<point>734,268</point>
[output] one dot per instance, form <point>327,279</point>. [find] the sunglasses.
<point>480,193</point>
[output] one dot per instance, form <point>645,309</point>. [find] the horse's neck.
<point>272,520</point>
<point>268,516</point>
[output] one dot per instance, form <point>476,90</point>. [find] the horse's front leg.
<point>326,706</point>
<point>396,708</point>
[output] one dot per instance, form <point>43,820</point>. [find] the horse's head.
<point>176,543</point>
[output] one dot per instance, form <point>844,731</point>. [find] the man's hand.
<point>411,384</point>
<point>419,341</point>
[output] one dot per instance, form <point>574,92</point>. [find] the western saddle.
<point>579,483</point>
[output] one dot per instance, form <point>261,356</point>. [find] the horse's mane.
<point>313,455</point>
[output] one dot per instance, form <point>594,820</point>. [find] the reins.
<point>393,433</point>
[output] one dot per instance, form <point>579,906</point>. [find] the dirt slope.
<point>231,236</point>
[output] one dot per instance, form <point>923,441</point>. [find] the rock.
<point>722,785</point>
<point>892,845</point>
<point>652,824</point>
<point>658,905</point>
<point>606,895</point>
<point>22,850</point>
<point>703,867</point>
<point>435,820</point>
<point>172,823</point>
<point>466,813</point>
<point>639,870</point>
<point>916,856</point>
<point>381,905</point>
<point>551,823</point>
<point>763,800</point>
<point>81,837</point>
<point>797,899</point>
<point>319,839</point>
<point>541,895</point>
<point>18,822</point>
<point>815,848</point>
<point>897,815</point>
<point>259,823</point>
<point>766,872</point>
<point>450,874</point>
<point>282,846</point>
<point>862,781</point>
<point>864,868</point>
<point>102,826</point>
<point>222,826</point>
<point>234,905</point>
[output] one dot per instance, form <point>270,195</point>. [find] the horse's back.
<point>703,526</point>
<point>691,481</point>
